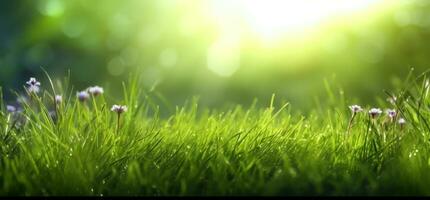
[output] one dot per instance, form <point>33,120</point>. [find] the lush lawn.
<point>79,149</point>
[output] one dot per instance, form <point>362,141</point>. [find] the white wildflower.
<point>10,109</point>
<point>83,96</point>
<point>58,99</point>
<point>33,82</point>
<point>355,108</point>
<point>391,113</point>
<point>96,90</point>
<point>119,109</point>
<point>33,86</point>
<point>375,112</point>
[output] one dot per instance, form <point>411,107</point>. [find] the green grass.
<point>201,151</point>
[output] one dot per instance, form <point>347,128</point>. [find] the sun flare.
<point>272,18</point>
<point>269,21</point>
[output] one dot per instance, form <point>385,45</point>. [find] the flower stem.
<point>365,138</point>
<point>350,123</point>
<point>118,123</point>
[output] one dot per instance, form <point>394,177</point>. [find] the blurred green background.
<point>225,51</point>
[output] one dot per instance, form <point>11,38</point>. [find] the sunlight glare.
<point>272,18</point>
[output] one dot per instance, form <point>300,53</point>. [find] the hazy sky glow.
<point>271,21</point>
<point>218,48</point>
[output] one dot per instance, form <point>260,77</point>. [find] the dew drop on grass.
<point>103,182</point>
<point>188,147</point>
<point>92,189</point>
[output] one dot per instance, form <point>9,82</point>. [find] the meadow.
<point>80,144</point>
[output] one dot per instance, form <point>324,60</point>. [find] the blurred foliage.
<point>168,41</point>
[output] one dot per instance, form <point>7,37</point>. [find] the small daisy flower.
<point>58,99</point>
<point>355,108</point>
<point>83,96</point>
<point>391,113</point>
<point>375,112</point>
<point>96,90</point>
<point>10,109</point>
<point>119,109</point>
<point>33,86</point>
<point>402,121</point>
<point>33,82</point>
